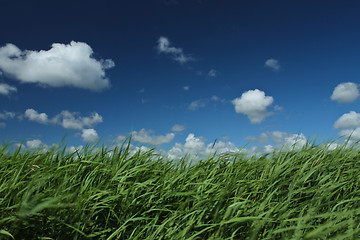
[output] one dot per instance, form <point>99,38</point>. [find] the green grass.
<point>91,194</point>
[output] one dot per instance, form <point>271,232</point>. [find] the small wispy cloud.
<point>213,73</point>
<point>7,115</point>
<point>194,105</point>
<point>177,54</point>
<point>200,103</point>
<point>178,128</point>
<point>186,88</point>
<point>273,64</point>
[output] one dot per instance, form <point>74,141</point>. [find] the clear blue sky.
<point>179,73</point>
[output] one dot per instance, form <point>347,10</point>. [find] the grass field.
<point>312,193</point>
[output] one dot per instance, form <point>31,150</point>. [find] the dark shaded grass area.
<point>97,193</point>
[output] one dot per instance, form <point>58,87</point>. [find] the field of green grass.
<point>98,193</point>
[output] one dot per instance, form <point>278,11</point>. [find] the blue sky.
<point>178,73</point>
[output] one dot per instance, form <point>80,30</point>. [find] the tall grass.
<point>94,193</point>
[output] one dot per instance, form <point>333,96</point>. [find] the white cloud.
<point>197,104</point>
<point>89,135</point>
<point>213,73</point>
<point>295,141</point>
<point>120,139</point>
<point>34,116</point>
<point>250,138</point>
<point>196,147</point>
<point>277,136</point>
<point>273,64</point>
<point>6,89</point>
<point>269,148</point>
<point>354,134</point>
<point>332,146</point>
<point>193,144</point>
<point>178,128</point>
<point>72,120</point>
<point>73,149</point>
<point>221,147</point>
<point>176,54</point>
<point>34,143</point>
<point>282,140</point>
<point>215,98</point>
<point>278,108</point>
<point>63,65</point>
<point>253,103</point>
<point>68,120</point>
<point>176,152</point>
<point>186,88</point>
<point>200,103</point>
<point>345,92</point>
<point>7,115</point>
<point>349,125</point>
<point>145,136</point>
<point>348,120</point>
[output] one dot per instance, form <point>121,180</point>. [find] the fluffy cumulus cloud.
<point>178,128</point>
<point>35,116</point>
<point>348,120</point>
<point>349,125</point>
<point>35,143</point>
<point>66,119</point>
<point>193,144</point>
<point>147,137</point>
<point>253,103</point>
<point>295,141</point>
<point>89,135</point>
<point>177,54</point>
<point>273,64</point>
<point>6,89</point>
<point>345,92</point>
<point>63,65</point>
<point>73,120</point>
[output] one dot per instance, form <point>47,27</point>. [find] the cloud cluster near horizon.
<point>69,120</point>
<point>71,65</point>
